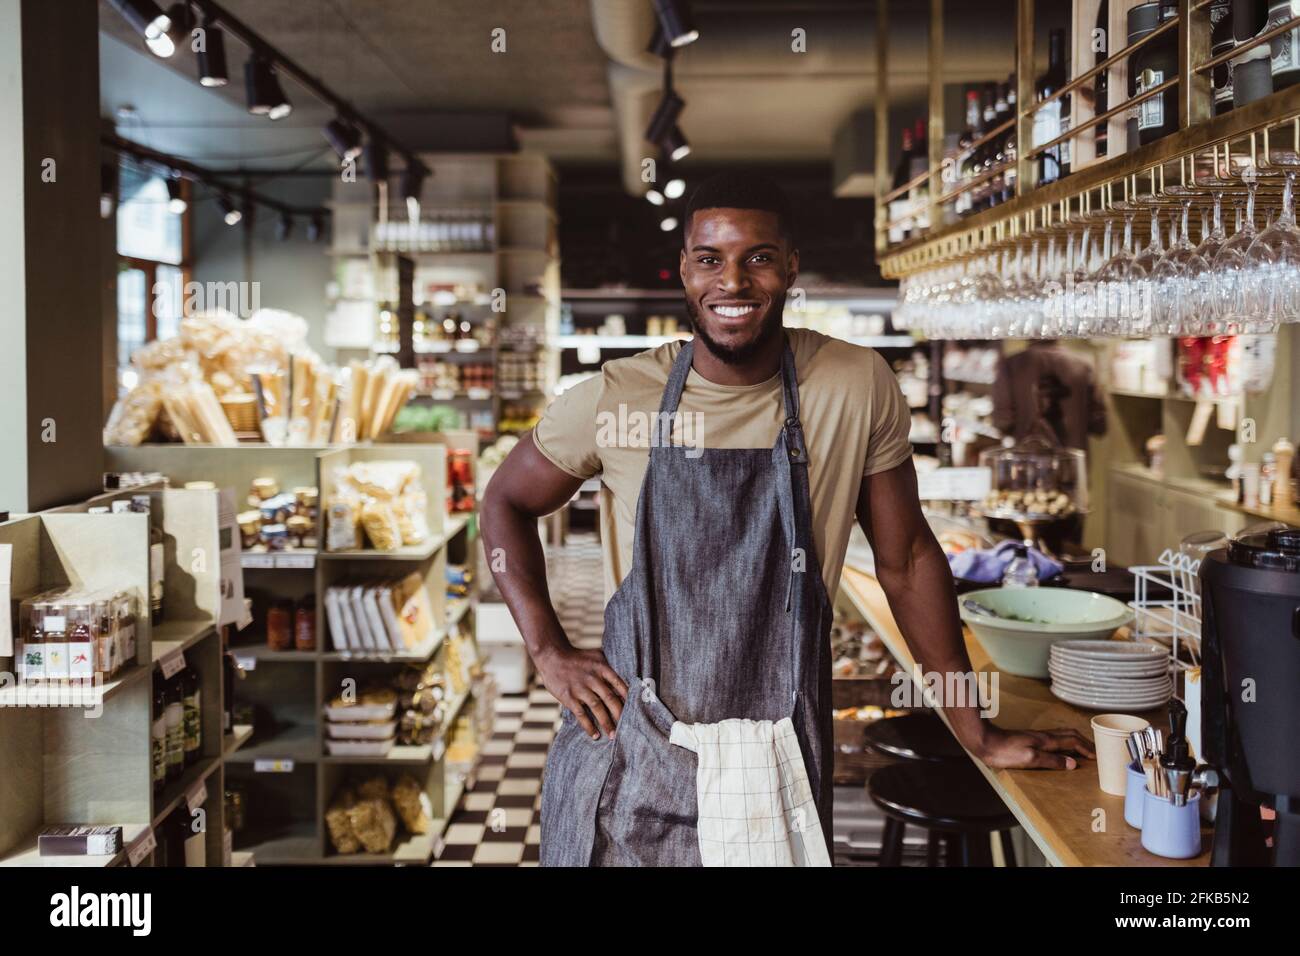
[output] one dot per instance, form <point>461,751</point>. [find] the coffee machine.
<point>1250,709</point>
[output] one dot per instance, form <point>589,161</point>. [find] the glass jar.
<point>1035,480</point>
<point>304,624</point>
<point>279,626</point>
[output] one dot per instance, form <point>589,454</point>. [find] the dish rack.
<point>1167,607</point>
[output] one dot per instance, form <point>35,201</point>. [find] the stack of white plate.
<point>1110,675</point>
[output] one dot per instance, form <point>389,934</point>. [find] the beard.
<point>770,328</point>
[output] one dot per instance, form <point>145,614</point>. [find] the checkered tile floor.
<point>499,821</point>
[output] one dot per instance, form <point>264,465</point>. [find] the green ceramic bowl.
<point>1030,620</point>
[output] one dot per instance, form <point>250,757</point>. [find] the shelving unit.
<point>283,765</point>
<point>516,274</point>
<point>91,764</point>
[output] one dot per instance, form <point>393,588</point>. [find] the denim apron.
<point>723,614</point>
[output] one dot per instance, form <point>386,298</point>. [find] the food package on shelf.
<point>134,414</point>
<point>380,523</point>
<point>263,379</point>
<point>338,821</point>
<point>383,614</point>
<point>385,498</point>
<point>372,817</point>
<point>407,799</point>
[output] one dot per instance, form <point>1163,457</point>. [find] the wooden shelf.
<point>174,793</point>
<point>400,754</point>
<point>27,853</point>
<point>236,738</point>
<point>172,636</point>
<point>408,552</point>
<point>415,655</point>
<point>412,850</point>
<point>1285,515</point>
<point>298,744</point>
<point>297,846</point>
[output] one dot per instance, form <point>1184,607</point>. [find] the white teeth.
<point>733,311</point>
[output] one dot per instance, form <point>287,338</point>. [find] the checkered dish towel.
<point>755,805</point>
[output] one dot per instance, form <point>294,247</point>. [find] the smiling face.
<point>736,267</point>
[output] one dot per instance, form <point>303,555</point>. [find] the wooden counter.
<point>1057,808</point>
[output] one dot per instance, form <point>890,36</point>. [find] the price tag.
<point>439,748</point>
<point>273,765</point>
<point>144,844</point>
<point>172,664</point>
<point>257,560</point>
<point>197,796</point>
<point>954,484</point>
<point>299,561</point>
<point>246,662</point>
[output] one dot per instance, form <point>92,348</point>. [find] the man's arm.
<point>526,487</point>
<point>913,571</point>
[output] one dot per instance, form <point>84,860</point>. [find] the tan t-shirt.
<point>854,416</point>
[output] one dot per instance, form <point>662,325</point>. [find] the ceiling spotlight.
<point>212,58</point>
<point>176,204</point>
<point>376,160</point>
<point>655,196</point>
<point>675,188</point>
<point>665,116</point>
<point>668,223</point>
<point>107,187</point>
<point>412,183</point>
<point>675,144</point>
<point>284,228</point>
<point>265,97</point>
<point>315,227</point>
<point>148,20</point>
<point>345,138</point>
<point>676,21</point>
<point>182,23</point>
<point>229,211</point>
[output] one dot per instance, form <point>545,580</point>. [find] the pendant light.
<point>212,58</point>
<point>229,211</point>
<point>676,22</point>
<point>344,138</point>
<point>147,19</point>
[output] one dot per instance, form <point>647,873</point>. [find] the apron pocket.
<point>576,767</point>
<point>647,809</point>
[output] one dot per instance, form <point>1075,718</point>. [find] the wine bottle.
<point>1252,74</point>
<point>1101,85</point>
<point>191,718</point>
<point>1285,47</point>
<point>1049,120</point>
<point>1221,41</point>
<point>174,716</point>
<point>158,736</point>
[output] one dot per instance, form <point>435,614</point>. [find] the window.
<point>153,263</point>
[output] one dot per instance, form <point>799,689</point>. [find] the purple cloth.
<point>988,566</point>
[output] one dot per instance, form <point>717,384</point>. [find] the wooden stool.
<point>914,737</point>
<point>952,802</point>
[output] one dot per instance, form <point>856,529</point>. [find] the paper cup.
<point>1110,735</point>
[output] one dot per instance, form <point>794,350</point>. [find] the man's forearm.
<point>924,605</point>
<point>518,565</point>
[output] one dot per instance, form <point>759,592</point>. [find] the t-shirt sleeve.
<point>891,421</point>
<point>566,433</point>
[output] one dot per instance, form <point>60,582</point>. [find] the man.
<point>1050,393</point>
<point>726,551</point>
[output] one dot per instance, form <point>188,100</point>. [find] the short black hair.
<point>741,189</point>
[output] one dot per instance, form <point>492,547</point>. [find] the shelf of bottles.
<point>1199,98</point>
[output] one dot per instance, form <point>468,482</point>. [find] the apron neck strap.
<point>677,382</point>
